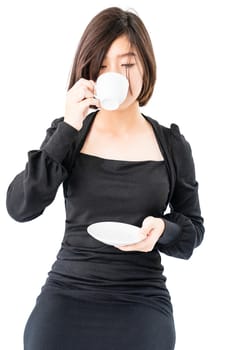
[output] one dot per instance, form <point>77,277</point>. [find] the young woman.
<point>115,166</point>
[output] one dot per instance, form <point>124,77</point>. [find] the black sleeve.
<point>32,190</point>
<point>184,228</point>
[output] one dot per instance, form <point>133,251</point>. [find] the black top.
<point>110,190</point>
<point>98,189</point>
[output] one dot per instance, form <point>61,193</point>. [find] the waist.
<point>115,270</point>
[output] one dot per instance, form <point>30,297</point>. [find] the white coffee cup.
<point>111,90</point>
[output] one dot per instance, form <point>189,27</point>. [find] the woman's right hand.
<point>79,98</point>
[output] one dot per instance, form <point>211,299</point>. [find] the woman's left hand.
<point>152,228</point>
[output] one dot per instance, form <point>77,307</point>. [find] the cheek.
<point>135,84</point>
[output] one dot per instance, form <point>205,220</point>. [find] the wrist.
<point>77,124</point>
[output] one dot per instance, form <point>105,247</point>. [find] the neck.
<point>119,120</point>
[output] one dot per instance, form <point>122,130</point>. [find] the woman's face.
<point>123,58</point>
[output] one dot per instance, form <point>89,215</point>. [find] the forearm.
<point>34,189</point>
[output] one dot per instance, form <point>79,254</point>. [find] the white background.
<point>193,47</point>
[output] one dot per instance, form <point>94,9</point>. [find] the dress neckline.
<point>87,155</point>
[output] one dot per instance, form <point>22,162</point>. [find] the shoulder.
<point>181,153</point>
<point>176,143</point>
<point>168,131</point>
<point>170,134</point>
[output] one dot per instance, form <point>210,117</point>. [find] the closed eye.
<point>128,65</point>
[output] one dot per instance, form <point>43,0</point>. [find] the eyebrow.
<point>127,54</point>
<point>133,54</point>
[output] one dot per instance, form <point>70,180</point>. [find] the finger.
<point>125,248</point>
<point>145,245</point>
<point>148,221</point>
<point>136,246</point>
<point>89,84</point>
<point>146,230</point>
<point>147,225</point>
<point>93,83</point>
<point>90,102</point>
<point>88,93</point>
<point>82,93</point>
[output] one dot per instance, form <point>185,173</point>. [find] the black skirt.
<point>66,320</point>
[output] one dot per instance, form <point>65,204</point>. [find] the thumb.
<point>147,225</point>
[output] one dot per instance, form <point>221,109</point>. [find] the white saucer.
<point>115,233</point>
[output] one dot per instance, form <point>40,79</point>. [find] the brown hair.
<point>98,36</point>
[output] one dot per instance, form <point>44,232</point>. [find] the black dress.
<point>96,296</point>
